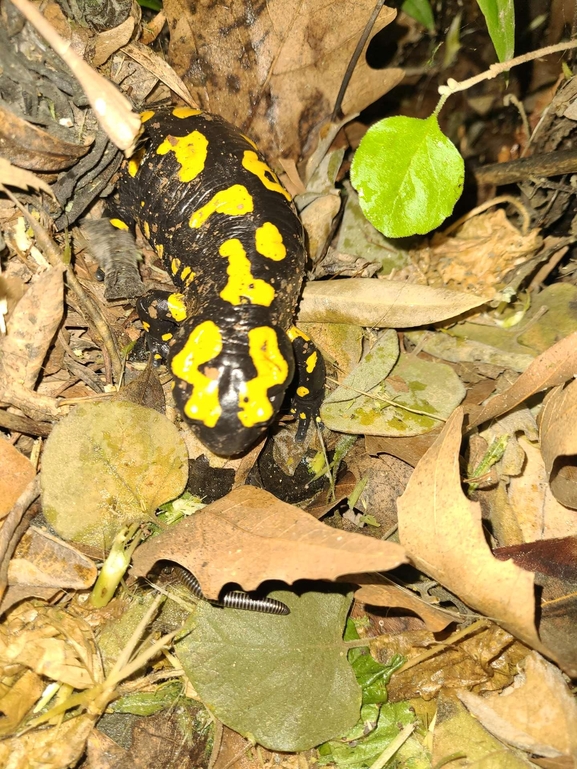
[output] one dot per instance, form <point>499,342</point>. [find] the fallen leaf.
<point>558,432</point>
<point>250,536</point>
<point>435,619</point>
<point>277,67</point>
<point>537,514</point>
<point>284,680</point>
<point>13,176</point>
<point>458,735</point>
<point>28,146</point>
<point>31,329</point>
<point>154,63</point>
<point>137,456</point>
<point>553,367</point>
<point>413,398</point>
<point>64,744</point>
<point>17,472</point>
<point>18,700</point>
<point>443,534</point>
<point>553,557</point>
<point>381,303</point>
<point>43,560</point>
<point>109,41</point>
<point>538,713</point>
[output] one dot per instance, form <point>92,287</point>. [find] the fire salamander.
<point>230,237</point>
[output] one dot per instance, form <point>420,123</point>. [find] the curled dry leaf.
<point>109,41</point>
<point>443,534</point>
<point>381,303</point>
<point>553,367</point>
<point>280,72</point>
<point>537,714</point>
<point>64,743</point>
<point>393,595</point>
<point>13,176</point>
<point>17,472</point>
<point>250,536</point>
<point>559,442</point>
<point>31,147</point>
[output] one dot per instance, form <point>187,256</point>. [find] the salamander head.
<point>229,387</point>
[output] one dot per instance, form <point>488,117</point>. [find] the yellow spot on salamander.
<point>175,265</point>
<point>269,242</point>
<point>242,287</point>
<point>157,356</point>
<point>159,249</point>
<point>146,230</point>
<point>203,344</point>
<point>142,204</point>
<point>190,151</point>
<point>272,369</point>
<point>135,161</point>
<point>183,112</point>
<point>294,332</point>
<point>259,168</point>
<point>146,115</point>
<point>119,224</point>
<point>234,201</point>
<point>311,362</point>
<point>302,392</point>
<point>302,415</point>
<point>176,307</point>
<point>187,275</point>
<point>145,325</point>
<point>166,337</point>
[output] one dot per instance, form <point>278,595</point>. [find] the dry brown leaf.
<point>537,714</point>
<point>393,595</point>
<point>17,472</point>
<point>152,62</point>
<point>19,699</point>
<point>58,747</point>
<point>109,41</point>
<point>443,534</point>
<point>18,177</point>
<point>31,147</point>
<point>274,69</point>
<point>152,29</point>
<point>46,561</point>
<point>558,431</point>
<point>476,257</point>
<point>250,536</point>
<point>31,328</point>
<point>538,515</point>
<point>553,367</point>
<point>112,109</point>
<point>381,303</point>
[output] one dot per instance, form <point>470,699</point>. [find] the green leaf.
<point>421,11</point>
<point>500,18</point>
<point>107,465</point>
<point>408,174</point>
<point>429,391</point>
<point>284,680</point>
<point>363,752</point>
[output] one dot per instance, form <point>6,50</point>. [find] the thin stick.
<point>453,86</point>
<point>354,59</point>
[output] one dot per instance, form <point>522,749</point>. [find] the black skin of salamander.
<point>157,196</point>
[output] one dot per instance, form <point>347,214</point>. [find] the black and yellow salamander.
<point>229,235</point>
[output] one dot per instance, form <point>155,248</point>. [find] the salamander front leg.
<point>309,379</point>
<point>160,313</point>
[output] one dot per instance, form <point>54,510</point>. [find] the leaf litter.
<point>108,466</point>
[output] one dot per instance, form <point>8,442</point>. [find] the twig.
<point>393,746</point>
<point>494,70</point>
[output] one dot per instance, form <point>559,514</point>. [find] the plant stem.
<point>453,86</point>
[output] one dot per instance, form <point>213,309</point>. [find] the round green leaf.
<point>284,680</point>
<point>408,174</point>
<point>107,465</point>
